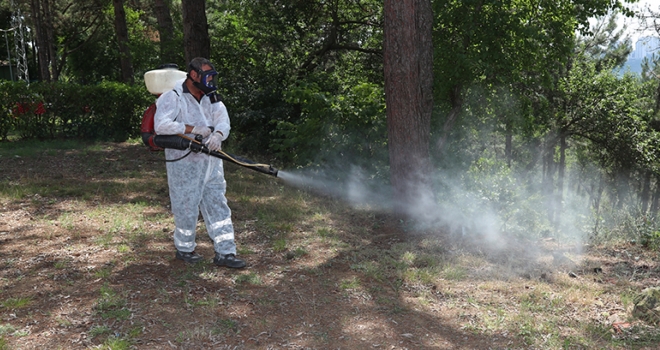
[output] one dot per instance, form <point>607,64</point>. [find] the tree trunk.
<point>549,170</point>
<point>596,196</point>
<point>408,67</point>
<point>121,30</point>
<point>561,170</point>
<point>41,39</point>
<point>196,40</point>
<point>655,202</point>
<point>646,192</point>
<point>508,142</point>
<point>168,53</point>
<point>456,99</point>
<point>50,38</point>
<point>622,188</point>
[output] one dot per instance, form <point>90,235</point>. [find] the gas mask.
<point>208,82</point>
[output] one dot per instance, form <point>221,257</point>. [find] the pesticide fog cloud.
<point>492,211</point>
<point>353,186</point>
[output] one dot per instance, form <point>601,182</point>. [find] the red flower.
<point>20,108</point>
<point>40,109</point>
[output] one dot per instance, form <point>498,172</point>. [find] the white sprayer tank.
<point>161,80</point>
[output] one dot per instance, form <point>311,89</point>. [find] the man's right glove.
<point>202,130</point>
<point>214,142</point>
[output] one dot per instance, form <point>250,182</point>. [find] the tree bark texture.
<point>508,142</point>
<point>48,7</point>
<point>549,173</point>
<point>655,202</point>
<point>645,195</point>
<point>121,30</point>
<point>168,53</point>
<point>561,173</point>
<point>196,40</point>
<point>41,37</point>
<point>408,68</point>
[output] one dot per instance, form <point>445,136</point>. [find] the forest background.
<point>531,132</point>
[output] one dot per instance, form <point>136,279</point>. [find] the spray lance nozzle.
<point>183,143</point>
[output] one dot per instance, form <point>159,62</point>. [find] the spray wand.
<point>183,142</point>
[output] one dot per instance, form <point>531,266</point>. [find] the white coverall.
<point>197,181</point>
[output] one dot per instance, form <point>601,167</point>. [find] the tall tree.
<point>125,60</point>
<point>196,42</point>
<point>42,18</point>
<point>168,52</point>
<point>61,28</point>
<point>408,67</point>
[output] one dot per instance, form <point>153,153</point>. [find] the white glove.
<point>214,142</point>
<point>202,130</point>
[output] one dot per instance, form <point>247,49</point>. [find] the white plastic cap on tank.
<point>163,79</point>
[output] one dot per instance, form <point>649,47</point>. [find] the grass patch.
<point>32,148</point>
<point>324,232</point>
<point>225,326</point>
<point>350,283</point>
<point>296,253</point>
<point>104,240</point>
<point>113,343</point>
<point>454,273</point>
<point>249,278</point>
<point>103,273</point>
<point>17,303</point>
<point>99,331</point>
<point>61,264</point>
<point>371,269</point>
<point>279,245</point>
<point>111,305</point>
<point>6,329</point>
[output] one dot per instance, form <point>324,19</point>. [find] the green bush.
<point>107,111</point>
<point>330,127</point>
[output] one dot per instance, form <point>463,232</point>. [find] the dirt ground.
<point>91,287</point>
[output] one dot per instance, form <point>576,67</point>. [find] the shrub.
<point>42,110</point>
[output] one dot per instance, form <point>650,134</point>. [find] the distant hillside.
<point>634,65</point>
<point>645,47</point>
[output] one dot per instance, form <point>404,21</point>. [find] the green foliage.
<point>108,111</point>
<point>269,54</point>
<point>99,60</point>
<point>623,226</point>
<point>499,41</point>
<point>651,239</point>
<point>350,125</point>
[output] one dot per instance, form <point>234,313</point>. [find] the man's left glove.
<point>214,142</point>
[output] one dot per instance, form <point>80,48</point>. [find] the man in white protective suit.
<point>196,182</point>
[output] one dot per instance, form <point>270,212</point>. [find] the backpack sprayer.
<point>161,80</point>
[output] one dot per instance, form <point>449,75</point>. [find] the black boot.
<point>229,260</point>
<point>189,257</point>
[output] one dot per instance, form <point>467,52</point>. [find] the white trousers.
<point>197,183</point>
